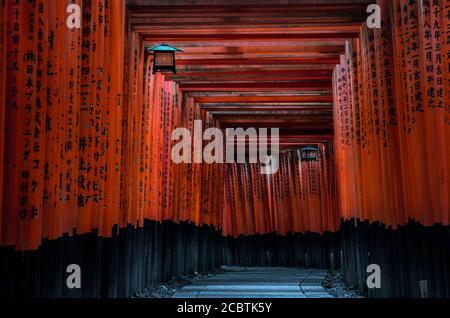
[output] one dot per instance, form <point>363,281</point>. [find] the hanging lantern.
<point>310,153</point>
<point>164,58</point>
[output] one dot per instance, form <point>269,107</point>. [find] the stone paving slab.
<point>258,282</point>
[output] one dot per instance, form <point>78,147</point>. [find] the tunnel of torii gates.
<point>86,175</point>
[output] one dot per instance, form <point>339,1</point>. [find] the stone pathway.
<point>258,282</point>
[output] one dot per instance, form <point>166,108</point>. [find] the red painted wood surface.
<point>299,198</point>
<point>86,127</point>
<point>60,117</point>
<point>391,117</point>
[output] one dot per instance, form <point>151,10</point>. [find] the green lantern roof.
<point>163,48</point>
<point>310,148</point>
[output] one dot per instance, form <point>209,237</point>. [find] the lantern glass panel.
<point>309,153</point>
<point>164,58</point>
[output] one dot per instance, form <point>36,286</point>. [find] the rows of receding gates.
<point>86,169</point>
